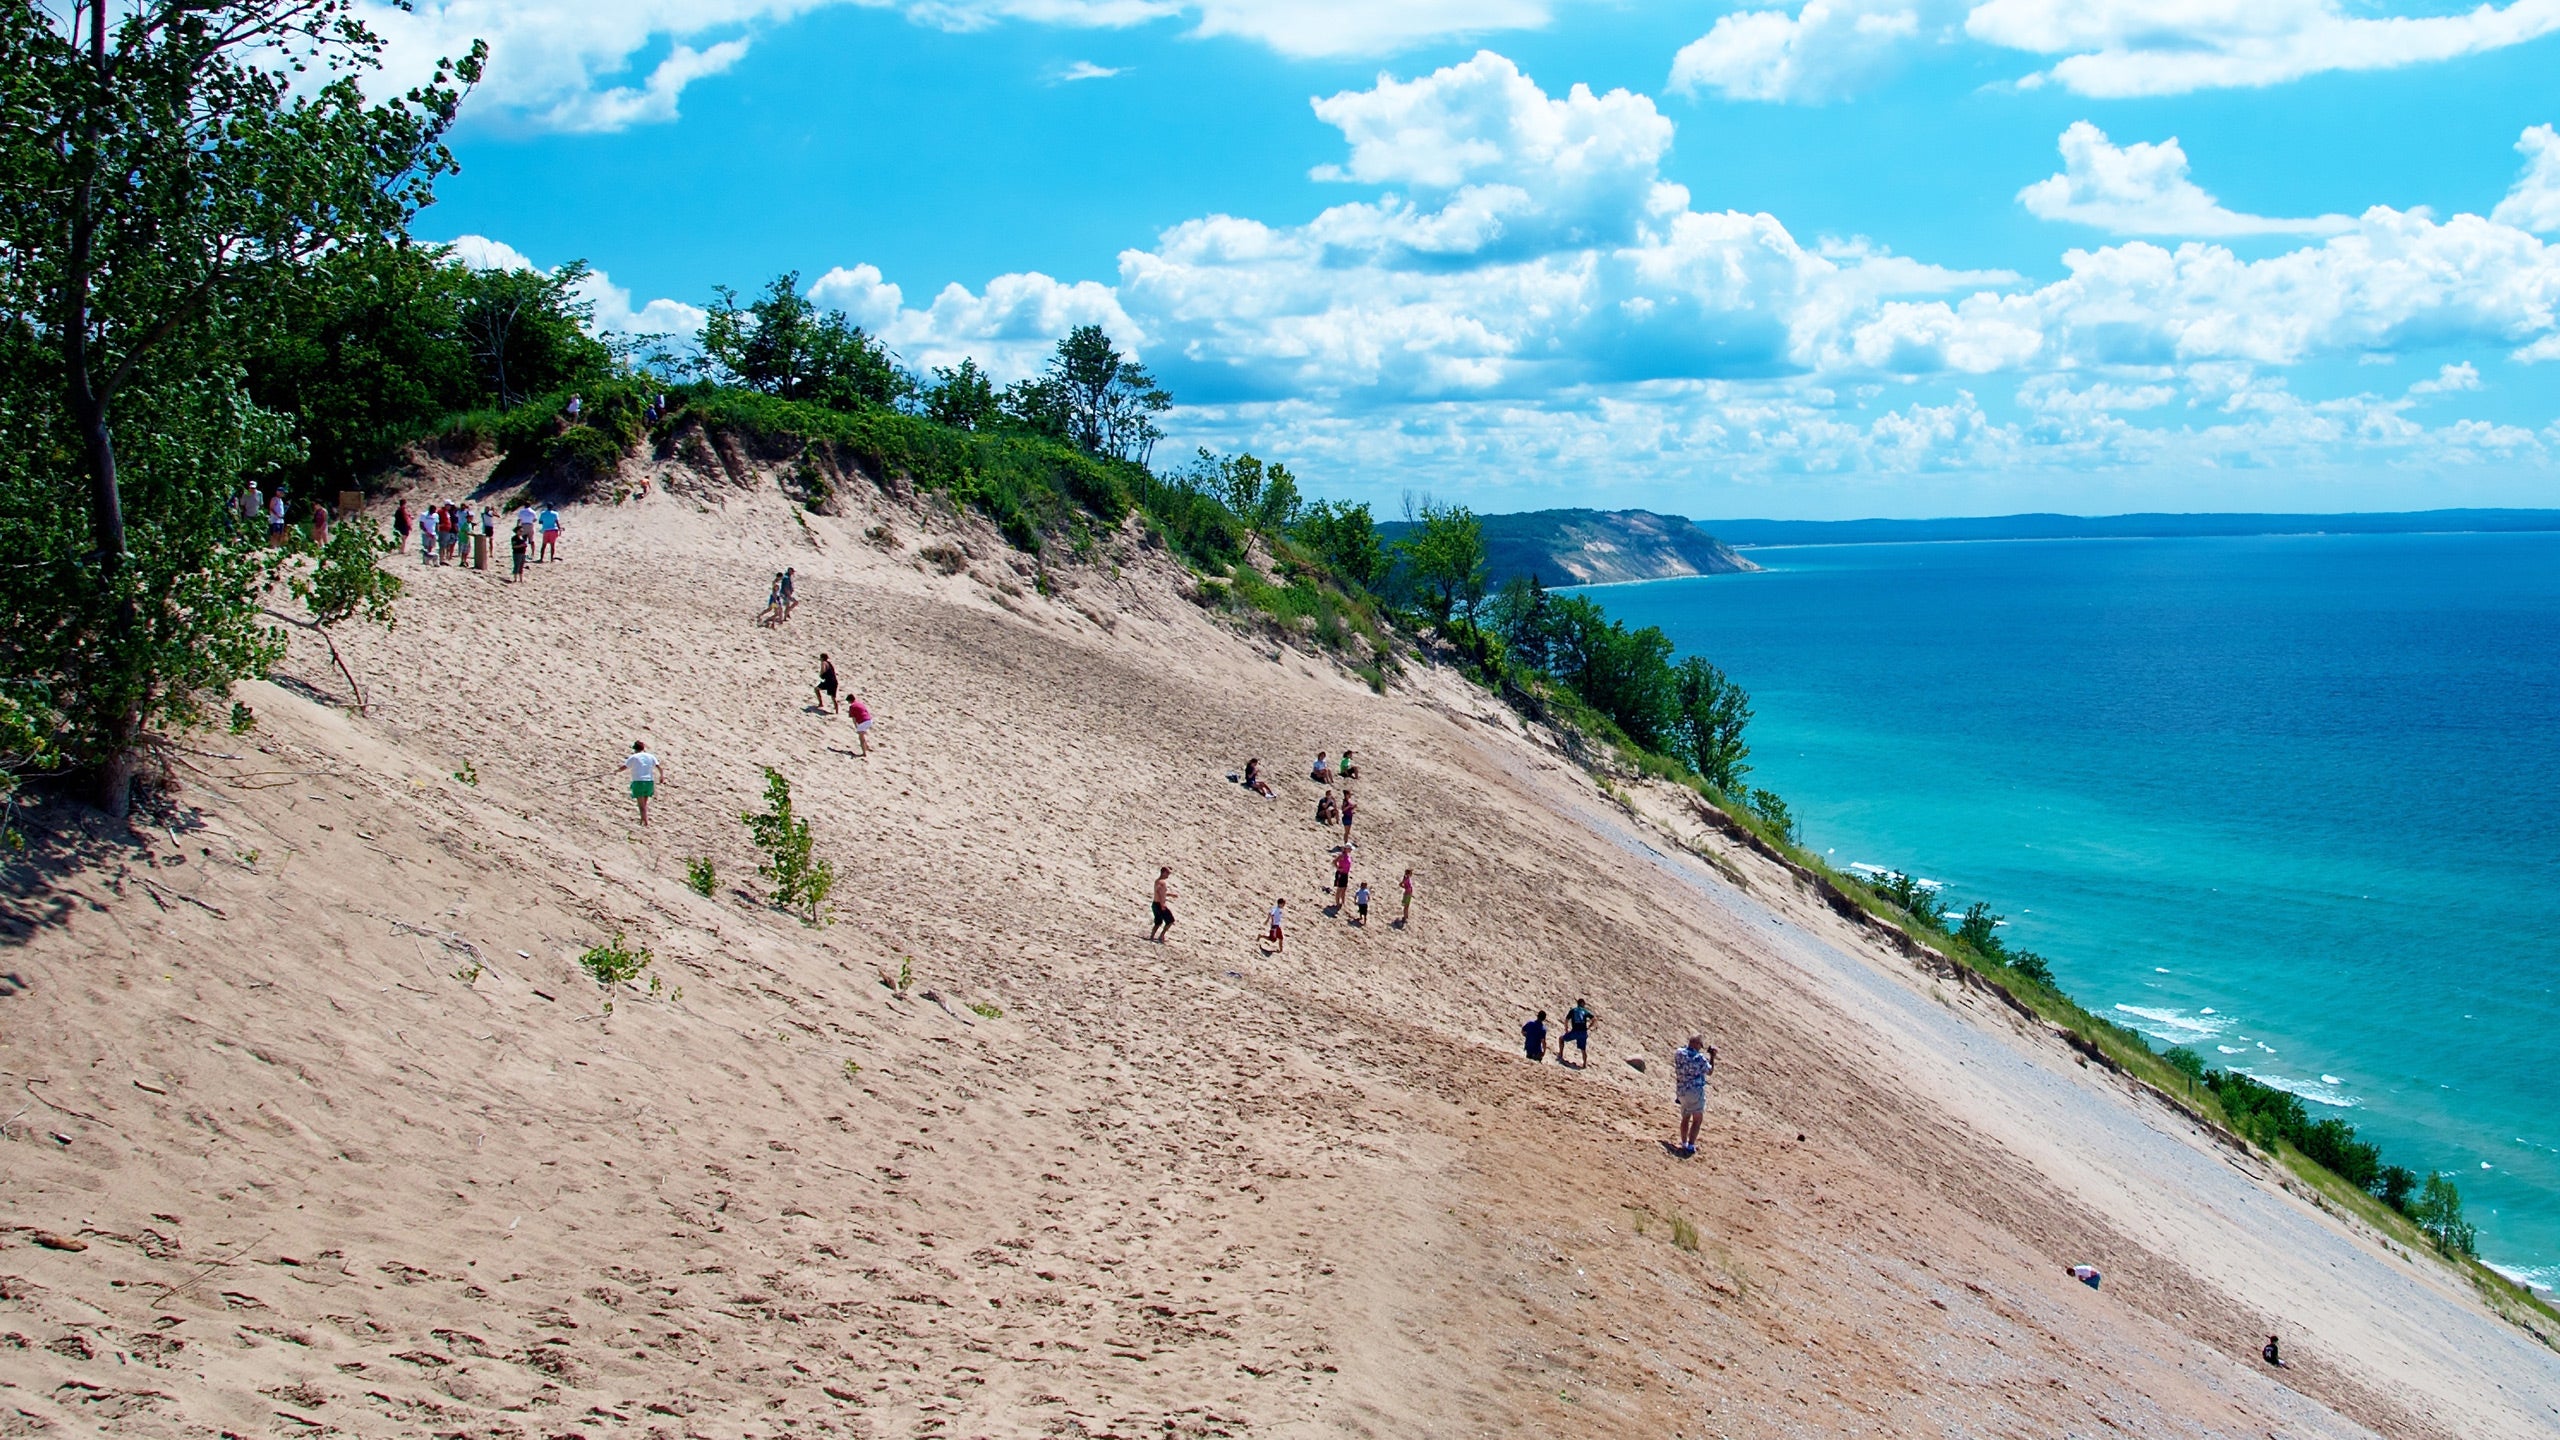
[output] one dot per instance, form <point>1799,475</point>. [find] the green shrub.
<point>801,881</point>
<point>700,877</point>
<point>612,964</point>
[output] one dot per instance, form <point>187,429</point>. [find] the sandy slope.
<point>322,1183</point>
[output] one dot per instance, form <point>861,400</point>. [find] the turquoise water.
<point>2291,801</point>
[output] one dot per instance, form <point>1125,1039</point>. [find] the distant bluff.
<point>1597,547</point>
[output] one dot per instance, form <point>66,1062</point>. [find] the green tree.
<point>1445,558</point>
<point>1037,405</point>
<point>346,581</point>
<point>2438,1212</point>
<point>169,164</point>
<point>961,397</point>
<point>1106,399</point>
<point>784,344</point>
<point>1345,536</point>
<point>1709,714</point>
<point>1522,614</point>
<point>1262,495</point>
<point>528,332</point>
<point>2186,1062</point>
<point>1980,929</point>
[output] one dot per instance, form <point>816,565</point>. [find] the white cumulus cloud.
<point>2144,189</point>
<point>1813,54</point>
<point>579,66</point>
<point>2534,202</point>
<point>2102,48</point>
<point>2120,48</point>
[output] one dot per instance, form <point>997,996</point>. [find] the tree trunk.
<point>89,413</point>
<point>352,687</point>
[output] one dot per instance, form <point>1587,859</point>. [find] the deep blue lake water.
<point>2291,801</point>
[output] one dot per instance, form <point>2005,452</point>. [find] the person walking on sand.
<point>427,535</point>
<point>550,534</point>
<point>861,714</point>
<point>1163,905</point>
<point>771,615</point>
<point>319,526</point>
<point>826,686</point>
<point>1577,1033</point>
<point>1341,876</point>
<point>487,539</point>
<point>644,775</point>
<point>524,526</point>
<point>1360,899</point>
<point>1691,1064</point>
<point>1276,941</point>
<point>1533,1038</point>
<point>519,548</point>
<point>1406,885</point>
<point>790,591</point>
<point>402,522</point>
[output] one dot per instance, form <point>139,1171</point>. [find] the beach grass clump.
<point>701,876</point>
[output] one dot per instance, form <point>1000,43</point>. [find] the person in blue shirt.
<point>550,534</point>
<point>1691,1064</point>
<point>1533,1037</point>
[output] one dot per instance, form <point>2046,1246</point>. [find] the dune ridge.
<point>318,1127</point>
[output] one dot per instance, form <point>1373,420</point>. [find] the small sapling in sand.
<point>700,877</point>
<point>801,881</point>
<point>612,964</point>
<point>469,774</point>
<point>987,1010</point>
<point>347,581</point>
<point>851,1069</point>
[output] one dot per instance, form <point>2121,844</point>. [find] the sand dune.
<point>314,1125</point>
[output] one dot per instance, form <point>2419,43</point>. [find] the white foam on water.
<point>2173,1025</point>
<point>2316,1094</point>
<point>2331,1080</point>
<point>2232,1049</point>
<point>2539,1277</point>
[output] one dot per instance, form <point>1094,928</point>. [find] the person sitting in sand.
<point>2085,1274</point>
<point>1533,1038</point>
<point>1277,941</point>
<point>1322,773</point>
<point>2271,1353</point>
<point>1253,780</point>
<point>1346,769</point>
<point>1328,810</point>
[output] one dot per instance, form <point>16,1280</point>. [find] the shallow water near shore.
<point>2292,801</point>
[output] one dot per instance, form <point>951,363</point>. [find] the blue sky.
<point>1827,258</point>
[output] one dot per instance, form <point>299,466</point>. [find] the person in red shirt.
<point>861,714</point>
